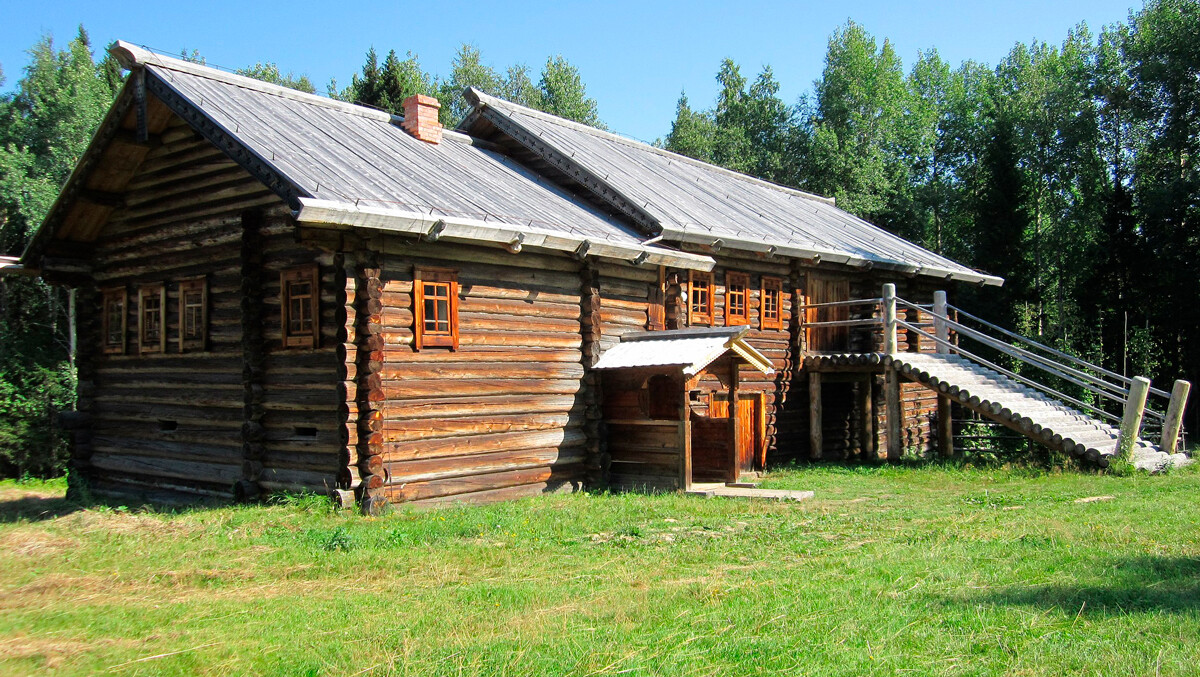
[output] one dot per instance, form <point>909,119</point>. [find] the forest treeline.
<point>1069,169</point>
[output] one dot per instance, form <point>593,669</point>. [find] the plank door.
<point>751,429</point>
<point>826,289</point>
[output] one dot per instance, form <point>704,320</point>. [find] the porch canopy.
<point>690,349</point>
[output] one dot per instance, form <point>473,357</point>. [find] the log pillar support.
<point>889,319</point>
<point>1174,421</point>
<point>940,328</point>
<point>945,427</point>
<point>816,441</point>
<point>891,394</point>
<point>866,422</point>
<point>1131,423</point>
<point>735,420</point>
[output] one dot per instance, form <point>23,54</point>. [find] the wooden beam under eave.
<point>128,137</point>
<point>102,198</point>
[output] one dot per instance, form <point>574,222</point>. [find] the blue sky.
<point>635,57</point>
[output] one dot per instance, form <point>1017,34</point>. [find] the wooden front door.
<point>751,430</point>
<point>825,289</point>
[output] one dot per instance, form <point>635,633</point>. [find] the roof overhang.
<point>11,265</point>
<point>818,255</point>
<point>689,350</point>
<point>327,213</point>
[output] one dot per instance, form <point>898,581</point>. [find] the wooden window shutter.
<point>435,308</point>
<point>700,298</point>
<point>114,320</point>
<point>152,310</point>
<point>300,306</point>
<point>737,298</point>
<point>193,315</point>
<point>771,310</point>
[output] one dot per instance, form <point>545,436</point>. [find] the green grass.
<point>926,570</point>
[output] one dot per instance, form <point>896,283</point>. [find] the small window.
<point>193,314</point>
<point>114,319</point>
<point>772,303</point>
<point>299,304</point>
<point>152,306</point>
<point>700,299</point>
<point>435,298</point>
<point>737,301</point>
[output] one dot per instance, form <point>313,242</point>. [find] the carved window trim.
<point>771,310</point>
<point>700,298</point>
<point>737,298</point>
<point>193,314</point>
<point>152,318</point>
<point>300,310</point>
<point>433,286</point>
<point>114,300</point>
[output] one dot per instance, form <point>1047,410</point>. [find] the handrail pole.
<point>941,329</point>
<point>1174,421</point>
<point>1063,397</point>
<point>889,319</point>
<point>1131,423</point>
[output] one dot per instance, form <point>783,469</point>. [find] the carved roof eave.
<point>256,165</point>
<point>104,134</point>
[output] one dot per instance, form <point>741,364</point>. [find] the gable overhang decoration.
<point>689,350</point>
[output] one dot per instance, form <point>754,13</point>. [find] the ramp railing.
<point>1103,387</point>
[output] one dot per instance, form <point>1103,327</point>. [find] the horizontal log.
<point>218,473</point>
<point>482,444</point>
<point>436,428</point>
<point>473,405</point>
<point>409,371</point>
<point>443,468</point>
<point>415,491</point>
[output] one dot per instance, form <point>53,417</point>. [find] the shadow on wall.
<point>1121,587</point>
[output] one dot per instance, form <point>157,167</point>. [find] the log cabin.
<point>278,291</point>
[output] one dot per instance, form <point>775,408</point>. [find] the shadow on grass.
<point>36,508</point>
<point>1118,587</point>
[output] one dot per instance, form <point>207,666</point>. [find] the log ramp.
<point>1023,409</point>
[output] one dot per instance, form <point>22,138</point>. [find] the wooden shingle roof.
<point>685,200</point>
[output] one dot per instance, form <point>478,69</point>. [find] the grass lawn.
<point>929,570</point>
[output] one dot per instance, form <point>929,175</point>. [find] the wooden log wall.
<point>234,414</point>
<point>170,421</point>
<point>303,392</point>
<point>778,345</point>
<point>503,416</point>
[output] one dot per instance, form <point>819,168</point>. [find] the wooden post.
<point>1170,436</point>
<point>866,422</point>
<point>945,429</point>
<point>889,320</point>
<point>735,421</point>
<point>1131,423</point>
<point>895,447</point>
<point>816,439</point>
<point>940,328</point>
<point>685,432</point>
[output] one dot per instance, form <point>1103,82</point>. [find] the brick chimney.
<point>421,118</point>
